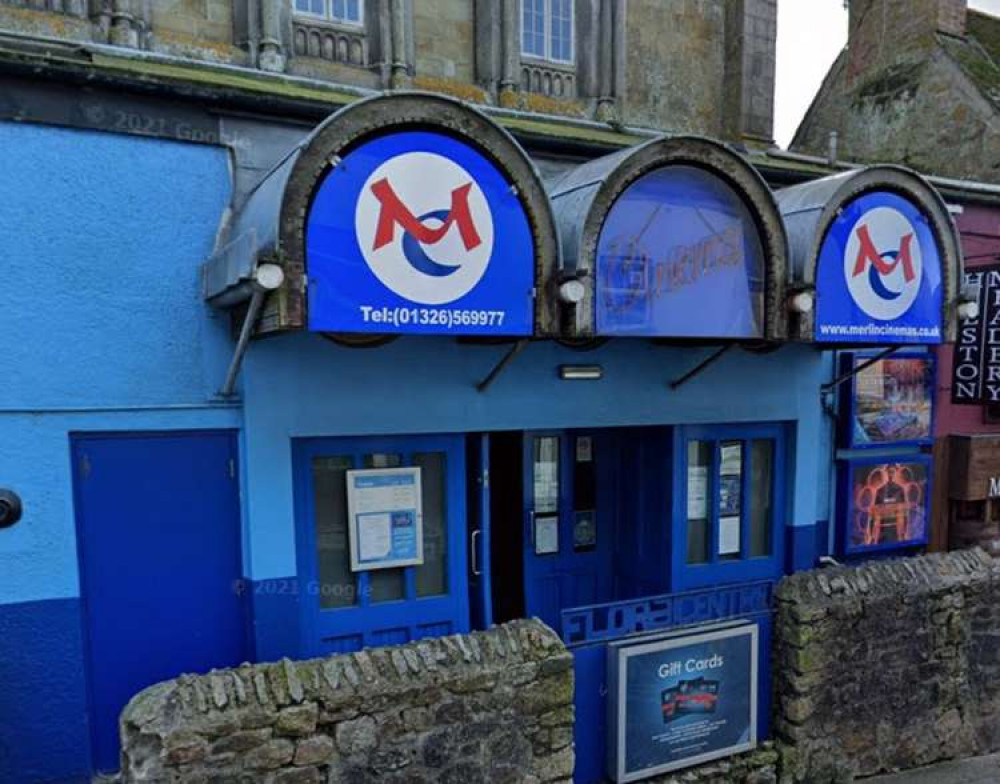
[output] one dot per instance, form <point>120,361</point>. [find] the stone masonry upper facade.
<point>918,84</point>
<point>686,66</point>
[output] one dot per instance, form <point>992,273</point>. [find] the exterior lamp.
<point>802,301</point>
<point>968,303</point>
<point>10,508</point>
<point>572,291</point>
<point>581,372</point>
<point>269,276</point>
<point>968,309</point>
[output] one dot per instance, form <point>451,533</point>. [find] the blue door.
<point>480,567</point>
<point>344,609</point>
<point>569,522</point>
<point>729,504</point>
<point>158,522</point>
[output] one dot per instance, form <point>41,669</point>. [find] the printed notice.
<point>384,507</point>
<point>374,536</point>
<point>697,492</point>
<point>546,535</point>
<point>729,535</point>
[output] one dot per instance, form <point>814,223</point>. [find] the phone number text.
<point>438,317</point>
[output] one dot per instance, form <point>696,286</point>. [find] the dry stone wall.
<point>890,665</point>
<point>492,706</point>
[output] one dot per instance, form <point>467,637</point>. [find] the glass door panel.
<point>337,586</point>
<point>432,575</point>
<point>726,497</point>
<point>345,610</point>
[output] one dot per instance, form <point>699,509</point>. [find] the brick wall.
<point>491,706</point>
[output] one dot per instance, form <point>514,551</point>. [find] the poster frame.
<point>353,535</point>
<point>845,496</point>
<point>849,400</point>
<point>617,664</point>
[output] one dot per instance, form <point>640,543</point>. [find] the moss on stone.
<point>979,54</point>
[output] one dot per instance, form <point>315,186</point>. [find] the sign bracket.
<point>507,358</point>
<point>710,360</point>
<point>884,354</point>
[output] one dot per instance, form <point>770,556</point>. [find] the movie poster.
<point>684,700</point>
<point>893,402</point>
<point>888,504</point>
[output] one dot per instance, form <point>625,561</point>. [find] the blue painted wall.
<point>428,385</point>
<point>103,329</point>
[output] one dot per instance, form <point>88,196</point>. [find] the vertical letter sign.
<point>976,372</point>
<point>878,277</point>
<point>681,700</point>
<point>418,232</point>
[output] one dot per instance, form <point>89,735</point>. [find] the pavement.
<point>978,770</point>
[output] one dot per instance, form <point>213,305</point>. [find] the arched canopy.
<point>880,250</point>
<point>405,213</point>
<point>677,238</point>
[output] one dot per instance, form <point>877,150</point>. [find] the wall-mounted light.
<point>10,508</point>
<point>581,372</point>
<point>968,309</point>
<point>802,301</point>
<point>572,291</point>
<point>269,276</point>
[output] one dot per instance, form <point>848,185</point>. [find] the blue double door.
<point>347,605</point>
<point>617,514</point>
<point>158,528</point>
<point>519,524</point>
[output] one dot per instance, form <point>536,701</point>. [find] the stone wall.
<point>492,706</point>
<point>893,664</point>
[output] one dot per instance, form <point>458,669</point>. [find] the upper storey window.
<point>346,11</point>
<point>547,29</point>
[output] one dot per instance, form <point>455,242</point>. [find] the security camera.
<point>10,508</point>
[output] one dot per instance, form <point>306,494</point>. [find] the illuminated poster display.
<point>681,700</point>
<point>679,255</point>
<point>891,402</point>
<point>886,504</point>
<point>386,518</point>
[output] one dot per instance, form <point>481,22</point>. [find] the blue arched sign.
<point>878,276</point>
<point>418,232</point>
<point>680,255</point>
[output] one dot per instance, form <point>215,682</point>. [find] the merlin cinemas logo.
<point>883,265</point>
<point>424,228</point>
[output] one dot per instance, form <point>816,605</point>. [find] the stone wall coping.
<point>821,589</point>
<point>332,680</point>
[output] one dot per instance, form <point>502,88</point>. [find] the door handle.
<point>476,571</point>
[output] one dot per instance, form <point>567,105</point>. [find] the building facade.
<point>917,84</point>
<point>300,367</point>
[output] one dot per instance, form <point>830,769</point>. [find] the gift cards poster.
<point>692,701</point>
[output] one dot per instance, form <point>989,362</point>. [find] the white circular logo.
<point>425,228</point>
<point>883,265</point>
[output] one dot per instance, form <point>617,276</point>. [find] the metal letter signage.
<point>976,370</point>
<point>417,232</point>
<point>879,275</point>
<point>679,255</point>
